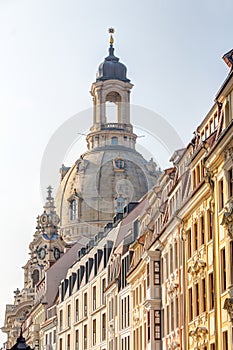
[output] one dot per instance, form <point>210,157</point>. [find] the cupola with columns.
<point>111,173</point>
<point>111,85</point>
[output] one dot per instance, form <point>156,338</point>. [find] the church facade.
<point>127,257</point>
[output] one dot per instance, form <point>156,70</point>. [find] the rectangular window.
<point>190,306</point>
<point>148,275</point>
<point>85,337</point>
<point>157,325</point>
<point>148,326</point>
<point>211,126</point>
<point>168,319</point>
<point>68,342</point>
<point>215,121</point>
<point>94,332</point>
<point>60,344</point>
<point>209,222</point>
<point>61,319</point>
<point>76,310</point>
<point>171,260</point>
<point>136,227</point>
<point>189,244</point>
<point>194,178</point>
<point>197,295</point>
<point>145,338</point>
<point>127,312</point>
<point>202,230</point>
<point>225,340</point>
<point>103,326</point>
<point>110,345</point>
<point>68,316</point>
<point>167,269</point>
<point>195,237</point>
<point>157,272</point>
<point>221,194</point>
<point>211,290</point>
<point>230,182</point>
<point>172,315</point>
<point>122,313</point>
<point>73,209</point>
<point>85,305</point>
<point>177,313</point>
<point>103,286</point>
<point>203,286</point>
<point>223,270</point>
<point>198,174</point>
<point>175,255</point>
<point>94,298</point>
<point>77,340</point>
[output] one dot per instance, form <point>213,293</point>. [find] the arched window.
<point>113,107</point>
<point>35,277</point>
<point>114,140</point>
<point>73,209</point>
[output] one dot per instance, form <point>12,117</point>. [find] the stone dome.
<point>100,184</point>
<point>111,68</point>
<point>111,173</point>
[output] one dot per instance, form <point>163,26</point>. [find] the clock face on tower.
<point>43,219</point>
<point>41,253</point>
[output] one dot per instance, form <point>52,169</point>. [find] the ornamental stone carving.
<point>172,286</point>
<point>198,266</point>
<point>228,153</point>
<point>174,345</point>
<point>199,336</point>
<point>228,306</point>
<point>136,315</point>
<point>227,220</point>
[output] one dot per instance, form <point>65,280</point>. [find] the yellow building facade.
<point>159,274</point>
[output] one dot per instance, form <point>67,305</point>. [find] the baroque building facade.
<point>127,257</point>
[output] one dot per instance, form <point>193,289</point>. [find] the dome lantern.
<point>111,68</point>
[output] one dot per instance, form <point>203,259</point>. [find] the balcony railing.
<point>119,126</point>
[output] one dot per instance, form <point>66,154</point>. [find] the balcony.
<point>117,126</point>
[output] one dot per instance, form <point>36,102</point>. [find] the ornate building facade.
<point>140,260</point>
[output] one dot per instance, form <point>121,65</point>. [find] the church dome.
<point>111,68</point>
<point>98,186</point>
<point>111,174</point>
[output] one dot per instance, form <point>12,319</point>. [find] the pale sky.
<point>49,54</point>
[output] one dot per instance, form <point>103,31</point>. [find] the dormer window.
<point>118,164</point>
<point>120,204</point>
<point>73,209</point>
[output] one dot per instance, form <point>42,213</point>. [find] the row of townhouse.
<point>160,276</point>
<point>168,280</point>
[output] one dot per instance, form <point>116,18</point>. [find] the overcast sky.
<point>49,54</point>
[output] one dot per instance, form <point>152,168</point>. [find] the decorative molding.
<point>198,266</point>
<point>172,286</point>
<point>174,345</point>
<point>228,306</point>
<point>227,220</point>
<point>199,336</point>
<point>228,154</point>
